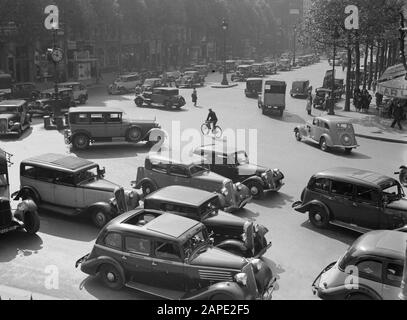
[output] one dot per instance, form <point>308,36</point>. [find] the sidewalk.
<point>9,293</point>
<point>372,126</point>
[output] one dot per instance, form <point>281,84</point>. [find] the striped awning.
<point>396,88</point>
<point>393,73</point>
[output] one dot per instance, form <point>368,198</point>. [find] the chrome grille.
<point>215,276</point>
<point>121,200</point>
<point>3,125</point>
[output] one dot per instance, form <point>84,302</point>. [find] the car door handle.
<point>154,264</point>
<point>124,258</point>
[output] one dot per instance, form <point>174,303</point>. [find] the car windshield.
<point>196,244</point>
<point>392,191</point>
<point>197,170</point>
<point>209,208</point>
<point>88,175</point>
<point>8,109</point>
<point>44,95</point>
<point>238,158</point>
<point>344,126</point>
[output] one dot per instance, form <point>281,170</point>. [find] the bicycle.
<point>206,130</point>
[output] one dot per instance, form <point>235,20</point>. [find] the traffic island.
<point>221,86</point>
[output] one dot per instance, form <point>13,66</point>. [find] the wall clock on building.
<point>57,55</point>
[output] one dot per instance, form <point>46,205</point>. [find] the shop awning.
<point>393,73</point>
<point>396,88</point>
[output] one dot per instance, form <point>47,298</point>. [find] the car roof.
<point>53,90</point>
<point>276,82</point>
<point>166,226</point>
<point>192,160</point>
<point>219,148</point>
<point>166,89</point>
<point>12,103</point>
<point>95,110</point>
<point>356,176</point>
<point>184,195</point>
<point>386,244</point>
<point>68,83</point>
<point>60,162</point>
<point>334,119</point>
<point>300,80</point>
<point>254,79</point>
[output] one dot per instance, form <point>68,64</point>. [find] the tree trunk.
<point>357,62</point>
<point>376,72</point>
<point>365,65</point>
<point>371,66</point>
<point>348,75</point>
<point>385,51</point>
<point>382,53</point>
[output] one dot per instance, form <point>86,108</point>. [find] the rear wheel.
<point>100,218</point>
<point>323,145</point>
<point>111,277</point>
<point>81,142</point>
<point>134,135</point>
<point>29,195</point>
<point>256,189</point>
<point>298,135</point>
<point>31,222</point>
<point>319,217</point>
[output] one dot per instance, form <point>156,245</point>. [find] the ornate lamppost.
<point>225,27</point>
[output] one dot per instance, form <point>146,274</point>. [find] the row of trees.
<point>377,35</point>
<point>249,19</point>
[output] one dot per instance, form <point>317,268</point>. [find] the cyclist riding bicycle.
<point>212,119</point>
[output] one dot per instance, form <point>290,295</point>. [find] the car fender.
<point>92,266</point>
<point>304,208</point>
<point>26,206</point>
<point>139,185</point>
<point>302,130</point>
<point>344,293</point>
<point>328,139</point>
<point>235,245</point>
<point>104,206</point>
<point>18,195</point>
<point>231,289</point>
<point>254,179</point>
<point>85,132</point>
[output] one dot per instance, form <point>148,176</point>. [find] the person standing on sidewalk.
<point>195,97</point>
<point>309,103</point>
<point>398,114</point>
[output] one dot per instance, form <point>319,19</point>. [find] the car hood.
<point>102,185</point>
<point>210,176</point>
<point>400,205</point>
<point>217,258</point>
<point>225,219</point>
<point>9,116</point>
<point>251,169</point>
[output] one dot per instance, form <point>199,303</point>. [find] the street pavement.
<point>299,251</point>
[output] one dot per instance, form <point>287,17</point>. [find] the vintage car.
<point>356,199</point>
<point>14,117</point>
<point>284,65</point>
<point>243,72</point>
<point>6,86</point>
<point>320,98</point>
<point>160,172</point>
<point>25,216</point>
<point>172,257</point>
<point>80,92</point>
<point>329,132</point>
<point>92,124</point>
<point>371,269</point>
<point>24,91</point>
<point>203,69</point>
<point>74,187</point>
<point>46,102</point>
<point>190,79</point>
<point>253,87</point>
<point>161,97</point>
<point>152,83</point>
<point>231,233</point>
<point>125,84</point>
<point>270,67</point>
<point>272,97</point>
<point>258,70</point>
<point>171,77</point>
<point>300,88</point>
<point>235,165</point>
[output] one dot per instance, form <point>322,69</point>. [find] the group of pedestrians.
<point>362,100</point>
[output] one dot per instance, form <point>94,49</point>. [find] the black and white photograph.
<point>203,150</point>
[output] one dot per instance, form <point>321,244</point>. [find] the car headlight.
<point>113,202</point>
<point>239,186</point>
<point>241,278</point>
<point>264,176</point>
<point>257,264</point>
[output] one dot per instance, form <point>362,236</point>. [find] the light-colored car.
<point>372,269</point>
<point>273,97</point>
<point>125,84</point>
<point>160,172</point>
<point>329,132</point>
<point>80,92</point>
<point>190,79</point>
<point>90,124</point>
<point>73,186</point>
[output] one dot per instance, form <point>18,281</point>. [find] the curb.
<point>224,87</point>
<point>381,139</point>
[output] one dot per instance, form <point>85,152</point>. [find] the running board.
<point>158,292</point>
<point>61,210</point>
<point>349,226</point>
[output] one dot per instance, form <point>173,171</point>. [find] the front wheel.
<point>256,189</point>
<point>148,188</point>
<point>134,135</point>
<point>111,277</point>
<point>100,218</point>
<point>319,217</point>
<point>218,132</point>
<point>298,136</point>
<point>81,142</point>
<point>323,145</point>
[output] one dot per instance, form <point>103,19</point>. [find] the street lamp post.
<point>225,27</point>
<point>295,46</point>
<point>332,98</point>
